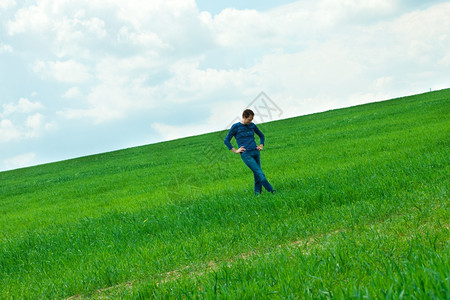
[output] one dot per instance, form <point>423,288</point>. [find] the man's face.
<point>248,120</point>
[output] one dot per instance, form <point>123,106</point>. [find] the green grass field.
<point>362,211</point>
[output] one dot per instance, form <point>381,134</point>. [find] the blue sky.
<point>79,77</point>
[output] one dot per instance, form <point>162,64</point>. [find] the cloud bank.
<point>133,72</point>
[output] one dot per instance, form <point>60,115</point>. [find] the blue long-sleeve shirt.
<point>244,135</point>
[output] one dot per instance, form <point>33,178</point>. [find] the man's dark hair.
<point>247,113</point>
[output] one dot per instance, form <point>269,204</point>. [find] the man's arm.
<point>229,136</point>
<point>262,138</point>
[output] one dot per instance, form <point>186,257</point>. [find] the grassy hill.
<point>361,211</point>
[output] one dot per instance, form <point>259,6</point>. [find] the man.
<point>244,133</point>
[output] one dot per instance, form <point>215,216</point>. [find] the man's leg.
<point>263,179</point>
<point>254,163</point>
<point>258,184</point>
<point>258,181</point>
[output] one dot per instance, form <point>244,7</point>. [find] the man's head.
<point>247,116</point>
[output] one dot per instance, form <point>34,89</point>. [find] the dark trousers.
<point>252,158</point>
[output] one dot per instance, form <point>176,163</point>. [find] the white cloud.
<point>8,132</point>
<point>139,13</point>
<point>445,61</point>
<point>36,125</point>
<point>63,28</point>
<point>123,88</point>
<point>145,38</point>
<point>58,16</point>
<point>306,71</point>
<point>234,27</point>
<point>95,26</point>
<point>142,42</point>
<point>23,106</point>
<point>172,28</point>
<point>293,24</point>
<point>190,83</point>
<point>73,92</point>
<point>424,34</point>
<point>33,17</point>
<point>71,32</point>
<point>106,103</point>
<point>332,13</point>
<point>33,126</point>
<point>19,161</point>
<point>22,121</point>
<point>74,28</point>
<point>319,57</point>
<point>4,48</point>
<point>382,83</point>
<point>5,4</point>
<point>63,71</point>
